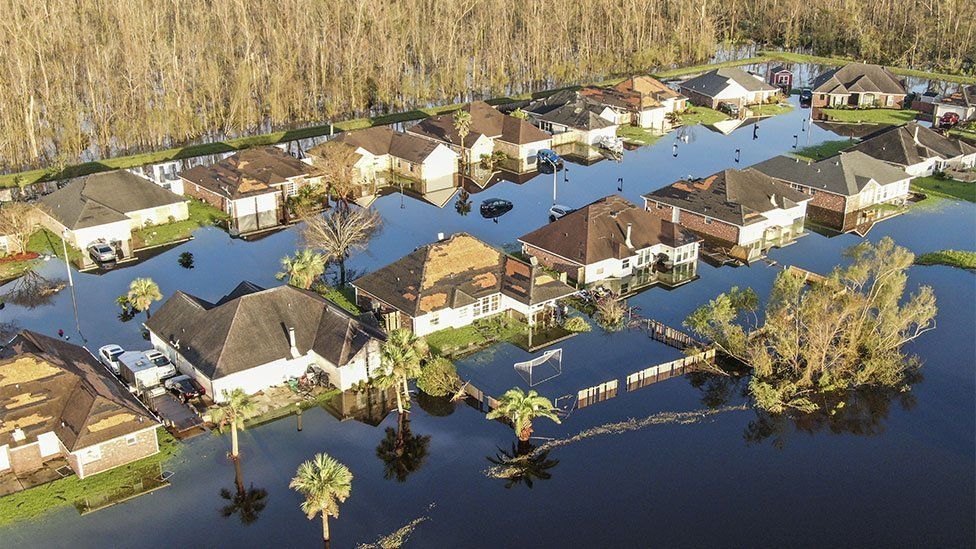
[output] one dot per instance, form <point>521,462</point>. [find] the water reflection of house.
<point>729,125</point>
<point>918,150</point>
<point>746,212</point>
<point>252,186</point>
<point>369,406</point>
<point>858,85</point>
<point>485,179</point>
<point>490,131</point>
<point>611,239</point>
<point>846,188</point>
<point>436,191</point>
<point>454,282</point>
<point>58,402</point>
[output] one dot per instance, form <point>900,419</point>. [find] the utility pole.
<point>71,282</point>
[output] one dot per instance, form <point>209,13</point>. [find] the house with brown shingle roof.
<point>454,282</point>
<point>656,98</point>
<point>381,149</point>
<point>918,150</point>
<point>254,338</point>
<point>858,85</point>
<point>490,131</point>
<point>744,211</point>
<point>57,401</point>
<point>612,240</point>
<point>252,186</point>
<point>962,102</point>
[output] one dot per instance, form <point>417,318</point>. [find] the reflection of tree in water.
<point>721,385</point>
<point>463,204</point>
<point>186,260</point>
<point>522,465</point>
<point>33,290</point>
<point>436,406</point>
<point>401,451</point>
<point>246,503</point>
<point>8,330</point>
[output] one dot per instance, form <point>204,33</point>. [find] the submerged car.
<point>559,211</point>
<point>184,387</point>
<point>101,252</point>
<point>549,156</point>
<point>806,96</point>
<point>730,109</point>
<point>109,356</point>
<point>495,207</point>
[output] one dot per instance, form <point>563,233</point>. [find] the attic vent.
<point>19,435</point>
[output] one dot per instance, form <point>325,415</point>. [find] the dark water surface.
<point>902,475</point>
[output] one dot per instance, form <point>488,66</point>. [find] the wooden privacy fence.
<point>672,337</point>
<point>597,393</point>
<point>667,370</point>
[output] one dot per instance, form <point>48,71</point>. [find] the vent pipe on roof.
<point>440,237</point>
<point>291,341</point>
<point>630,227</point>
<point>915,136</point>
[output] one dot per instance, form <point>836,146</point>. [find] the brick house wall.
<point>192,189</point>
<point>700,99</point>
<point>116,452</point>
<point>554,262</point>
<point>712,230</point>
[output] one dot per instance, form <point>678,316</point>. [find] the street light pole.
<point>71,282</point>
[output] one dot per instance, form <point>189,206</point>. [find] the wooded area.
<point>97,78</point>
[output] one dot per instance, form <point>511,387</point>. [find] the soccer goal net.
<point>542,368</point>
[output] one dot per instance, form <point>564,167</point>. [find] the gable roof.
<point>715,81</point>
<point>249,327</point>
<point>859,78</point>
<point>613,97</point>
<point>107,197</point>
<point>383,140</point>
<point>485,120</point>
<point>965,96</point>
<point>845,174</point>
<point>249,172</point>
<point>598,231</point>
<point>578,114</point>
<point>733,196</point>
<point>50,385</point>
<point>647,85</point>
<point>911,144</point>
<point>457,272</point>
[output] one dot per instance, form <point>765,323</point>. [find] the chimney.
<point>772,199</point>
<point>630,227</point>
<point>915,136</point>
<point>19,435</point>
<point>440,237</point>
<point>291,341</point>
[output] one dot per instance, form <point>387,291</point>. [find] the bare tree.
<point>340,232</point>
<point>18,221</point>
<point>335,163</point>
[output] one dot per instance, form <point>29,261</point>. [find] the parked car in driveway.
<point>559,211</point>
<point>159,360</point>
<point>730,109</point>
<point>806,96</point>
<point>495,207</point>
<point>948,120</point>
<point>109,356</point>
<point>101,253</point>
<point>184,387</point>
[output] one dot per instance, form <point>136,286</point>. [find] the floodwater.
<point>899,470</point>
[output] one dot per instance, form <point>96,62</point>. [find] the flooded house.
<point>252,186</point>
<point>255,338</point>
<point>859,85</point>
<point>961,102</point>
<point>845,189</point>
<point>728,85</point>
<point>106,207</point>
<point>382,149</point>
<point>658,100</point>
<point>617,244</point>
<point>490,131</point>
<point>781,77</point>
<point>919,150</point>
<point>454,282</point>
<point>743,212</point>
<point>59,406</point>
<point>578,120</point>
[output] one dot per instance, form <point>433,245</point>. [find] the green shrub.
<point>577,324</point>
<point>438,378</point>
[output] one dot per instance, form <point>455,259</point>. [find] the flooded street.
<point>901,472</point>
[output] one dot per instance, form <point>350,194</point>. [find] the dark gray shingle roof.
<point>859,78</point>
<point>845,174</point>
<point>106,197</point>
<point>714,81</point>
<point>910,144</point>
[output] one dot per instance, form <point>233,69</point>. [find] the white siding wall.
<point>118,230</point>
<point>653,118</point>
<point>440,163</point>
<point>4,457</point>
<point>159,215</point>
<point>774,218</point>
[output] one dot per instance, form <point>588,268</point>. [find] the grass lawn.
<point>891,117</point>
<point>701,115</point>
<point>480,334</point>
<point>771,109</point>
<point>201,215</point>
<point>64,492</point>
<point>952,258</point>
<point>959,131</point>
<point>945,188</point>
<point>41,242</point>
<point>343,297</point>
<point>836,61</point>
<point>636,135</point>
<point>823,150</point>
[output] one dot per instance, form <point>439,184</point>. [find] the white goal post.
<point>542,368</point>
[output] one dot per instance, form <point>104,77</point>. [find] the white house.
<point>453,282</point>
<point>918,150</point>
<point>746,211</point>
<point>579,121</point>
<point>612,238</point>
<point>107,207</point>
<point>962,103</point>
<point>254,338</point>
<point>381,149</point>
<point>728,85</point>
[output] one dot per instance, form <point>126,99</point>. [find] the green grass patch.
<point>701,115</point>
<point>935,186</point>
<point>42,242</point>
<point>891,117</point>
<point>952,258</point>
<point>969,133</point>
<point>343,297</point>
<point>636,135</point>
<point>823,150</point>
<point>838,61</point>
<point>64,492</point>
<point>201,215</point>
<point>480,334</point>
<point>770,109</point>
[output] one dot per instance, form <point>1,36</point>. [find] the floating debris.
<point>398,538</point>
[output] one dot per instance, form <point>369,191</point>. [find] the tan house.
<point>381,149</point>
<point>858,85</point>
<point>58,403</point>
<point>252,186</point>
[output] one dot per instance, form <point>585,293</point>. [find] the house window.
<point>487,305</point>
<point>131,440</point>
<point>435,319</point>
<point>660,206</point>
<point>626,263</point>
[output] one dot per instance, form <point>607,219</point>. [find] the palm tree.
<point>237,407</point>
<point>462,124</point>
<point>402,452</point>
<point>325,483</point>
<point>302,269</point>
<point>142,293</point>
<point>247,503</point>
<point>401,356</point>
<point>521,408</point>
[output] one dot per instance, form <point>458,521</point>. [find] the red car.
<point>948,120</point>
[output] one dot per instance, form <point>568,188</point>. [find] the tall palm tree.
<point>142,293</point>
<point>325,483</point>
<point>246,503</point>
<point>302,269</point>
<point>237,407</point>
<point>462,124</point>
<point>401,356</point>
<point>521,408</point>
